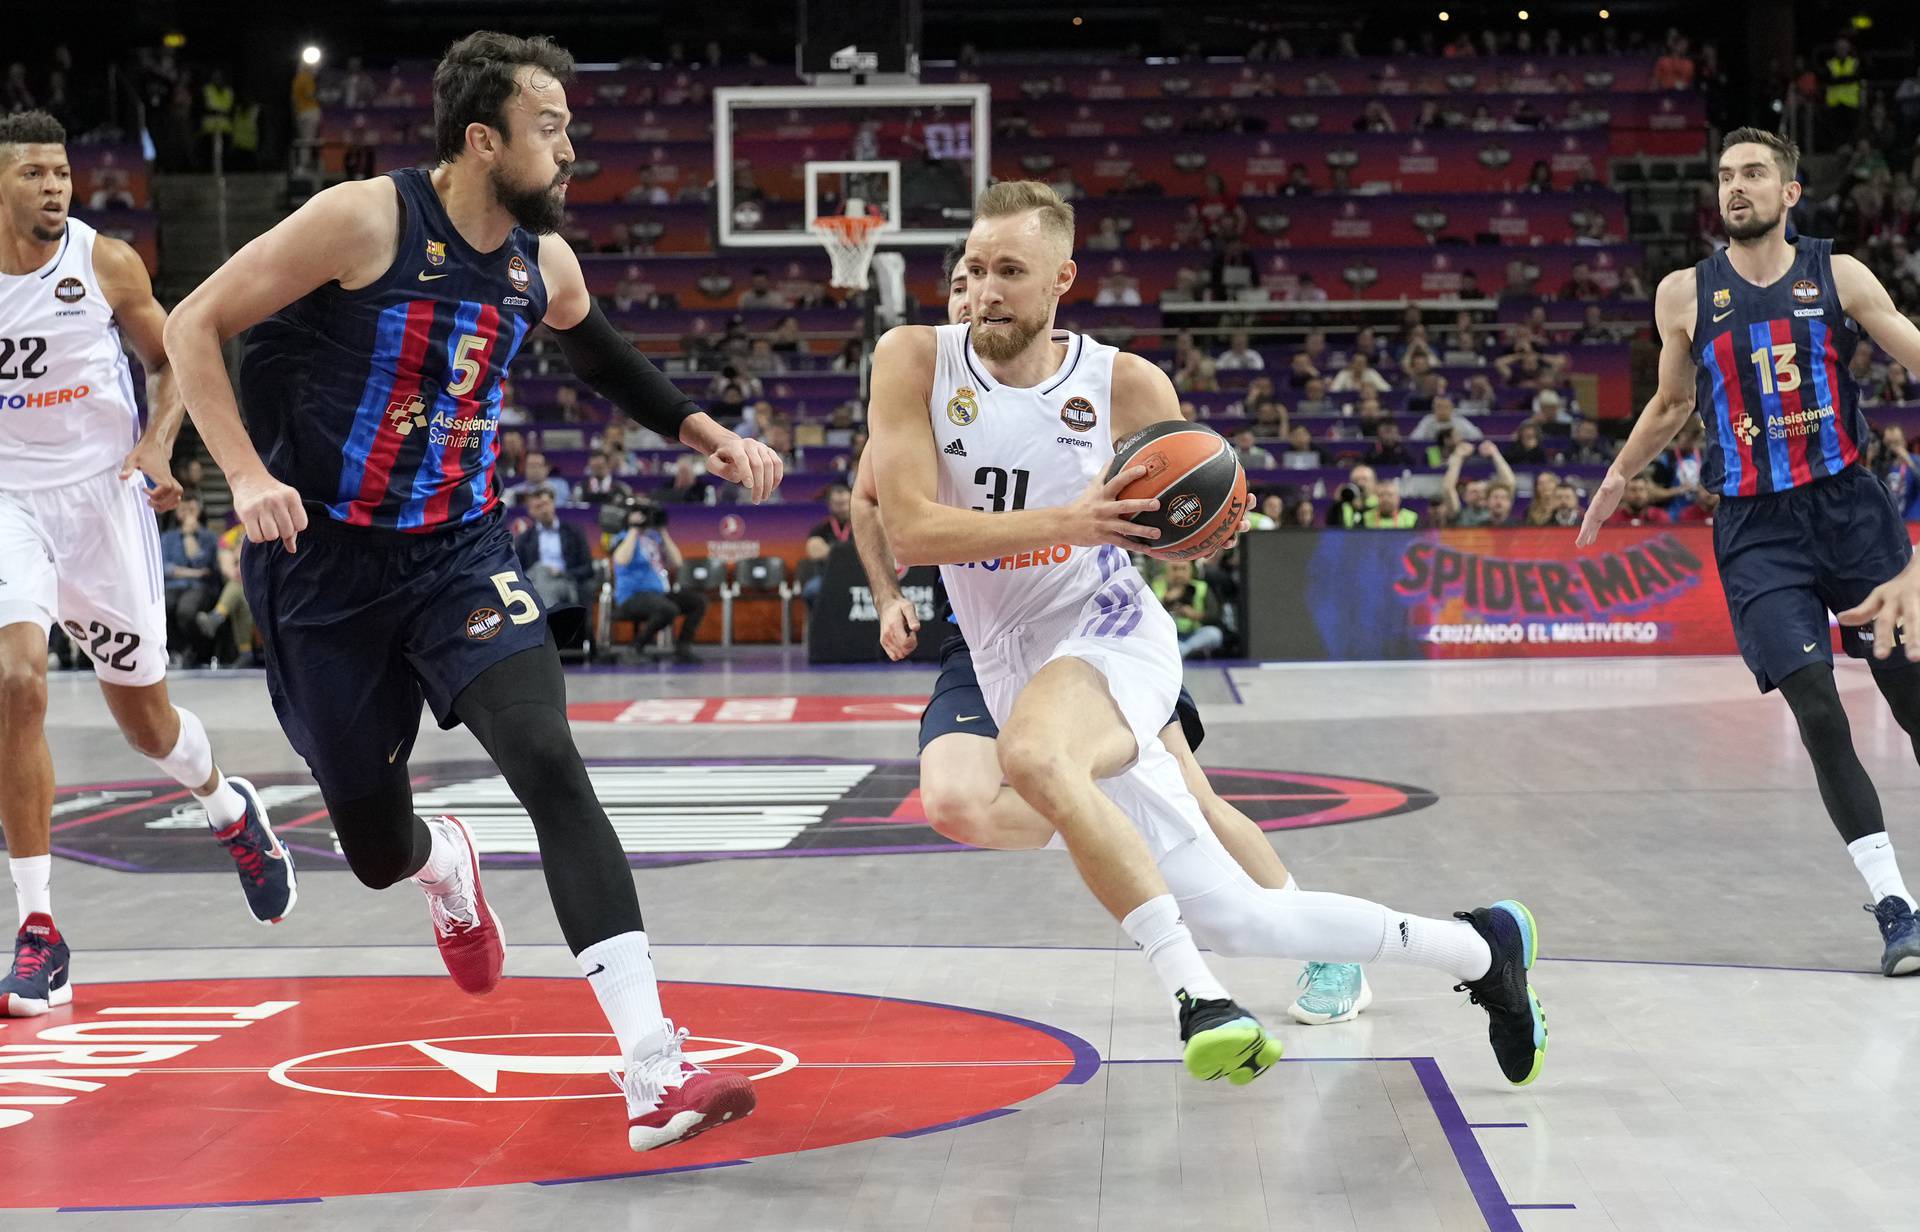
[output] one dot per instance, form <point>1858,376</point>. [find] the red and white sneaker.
<point>670,1099</point>
<point>472,943</point>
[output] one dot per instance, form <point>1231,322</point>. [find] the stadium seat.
<point>760,577</point>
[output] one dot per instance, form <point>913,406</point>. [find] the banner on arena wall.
<point>844,624</point>
<point>1486,593</point>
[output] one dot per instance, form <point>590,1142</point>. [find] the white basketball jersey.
<point>67,410</point>
<point>1004,449</point>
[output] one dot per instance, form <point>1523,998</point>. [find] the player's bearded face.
<point>539,206</point>
<point>1747,218</point>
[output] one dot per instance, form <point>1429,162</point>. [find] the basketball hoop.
<point>849,240</point>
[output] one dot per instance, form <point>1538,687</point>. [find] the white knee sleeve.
<point>191,762</point>
<point>1230,914</point>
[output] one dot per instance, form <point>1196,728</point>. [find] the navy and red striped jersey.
<point>381,405</point>
<point>1780,407</point>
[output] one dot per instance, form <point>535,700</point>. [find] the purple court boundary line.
<point>1472,1161</point>
<point>1227,675</point>
<point>627,1176</point>
<point>990,1115</point>
<point>180,1206</point>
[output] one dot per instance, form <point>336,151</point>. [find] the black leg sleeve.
<point>518,710</point>
<point>384,840</point>
<point>1844,786</point>
<point>1900,685</point>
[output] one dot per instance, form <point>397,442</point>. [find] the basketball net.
<point>849,239</point>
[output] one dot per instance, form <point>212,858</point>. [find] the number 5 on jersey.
<point>466,364</point>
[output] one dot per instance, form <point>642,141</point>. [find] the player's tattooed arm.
<point>1674,308</point>
<point>1873,310</point>
<point>143,323</point>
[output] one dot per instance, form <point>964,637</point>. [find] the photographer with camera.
<point>554,554</point>
<point>644,559</point>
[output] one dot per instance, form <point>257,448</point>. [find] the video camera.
<point>632,512</point>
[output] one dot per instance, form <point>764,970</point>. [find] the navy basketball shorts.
<point>958,705</point>
<point>361,626</point>
<point>1788,558</point>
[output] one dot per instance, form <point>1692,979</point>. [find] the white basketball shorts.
<point>1124,634</point>
<point>88,555</point>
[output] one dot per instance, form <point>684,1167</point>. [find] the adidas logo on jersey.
<point>955,448</point>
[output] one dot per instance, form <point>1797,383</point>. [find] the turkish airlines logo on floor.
<point>286,1090</point>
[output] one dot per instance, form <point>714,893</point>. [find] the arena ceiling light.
<point>310,55</point>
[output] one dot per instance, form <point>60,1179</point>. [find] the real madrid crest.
<point>436,252</point>
<point>1722,298</point>
<point>963,408</point>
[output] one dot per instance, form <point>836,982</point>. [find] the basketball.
<point>1193,473</point>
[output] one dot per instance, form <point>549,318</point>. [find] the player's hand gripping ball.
<point>1194,474</point>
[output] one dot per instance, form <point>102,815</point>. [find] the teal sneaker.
<point>1330,992</point>
<point>1224,1041</point>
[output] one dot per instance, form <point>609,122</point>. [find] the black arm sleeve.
<point>612,368</point>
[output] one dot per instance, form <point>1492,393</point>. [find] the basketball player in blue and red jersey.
<point>1757,338</point>
<point>383,317</point>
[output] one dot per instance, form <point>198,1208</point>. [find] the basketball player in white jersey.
<point>960,781</point>
<point>80,484</point>
<point>990,465</point>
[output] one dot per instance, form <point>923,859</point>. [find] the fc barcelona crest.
<point>963,408</point>
<point>1722,297</point>
<point>436,252</point>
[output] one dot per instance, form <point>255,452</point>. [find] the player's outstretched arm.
<point>906,461</point>
<point>345,234</point>
<point>611,367</point>
<point>143,323</point>
<point>1665,412</point>
<point>899,615</point>
<point>1872,309</point>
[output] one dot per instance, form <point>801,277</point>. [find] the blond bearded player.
<point>960,781</point>
<point>1079,664</point>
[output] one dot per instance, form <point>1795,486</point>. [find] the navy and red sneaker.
<point>265,867</point>
<point>472,943</point>
<point>670,1099</point>
<point>41,975</point>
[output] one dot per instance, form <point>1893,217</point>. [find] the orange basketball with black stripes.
<point>1193,473</point>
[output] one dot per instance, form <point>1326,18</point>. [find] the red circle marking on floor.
<point>250,1090</point>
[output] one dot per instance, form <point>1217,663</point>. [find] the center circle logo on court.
<point>274,1090</point>
<point>665,811</point>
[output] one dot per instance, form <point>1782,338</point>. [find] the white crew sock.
<point>1156,928</point>
<point>191,763</point>
<point>1873,856</point>
<point>1453,946</point>
<point>620,969</point>
<point>443,861</point>
<point>32,884</point>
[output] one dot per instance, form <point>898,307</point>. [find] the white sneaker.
<point>670,1099</point>
<point>472,943</point>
